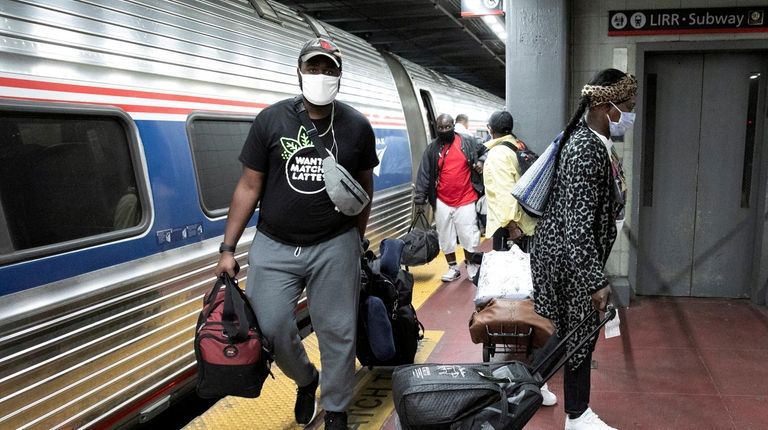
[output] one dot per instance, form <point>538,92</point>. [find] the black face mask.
<point>445,136</point>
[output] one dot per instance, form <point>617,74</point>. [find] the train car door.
<point>426,99</point>
<point>704,117</point>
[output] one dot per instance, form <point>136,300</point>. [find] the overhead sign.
<point>685,21</point>
<point>472,8</point>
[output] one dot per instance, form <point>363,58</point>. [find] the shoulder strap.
<point>510,145</point>
<point>301,111</point>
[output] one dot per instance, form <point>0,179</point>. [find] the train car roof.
<point>429,33</point>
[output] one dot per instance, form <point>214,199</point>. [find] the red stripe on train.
<point>161,110</point>
<point>83,89</point>
<point>127,108</point>
<point>71,88</point>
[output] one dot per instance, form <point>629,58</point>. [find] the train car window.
<point>426,99</point>
<point>65,178</point>
<point>317,27</point>
<point>265,10</point>
<point>216,143</point>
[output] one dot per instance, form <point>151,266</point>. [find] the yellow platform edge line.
<point>373,403</point>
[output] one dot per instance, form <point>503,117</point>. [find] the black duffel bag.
<point>421,244</point>
<point>465,396</point>
<point>480,396</point>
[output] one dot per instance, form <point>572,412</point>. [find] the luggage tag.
<point>612,327</point>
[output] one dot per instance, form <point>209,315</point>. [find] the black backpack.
<point>525,157</point>
<point>395,292</point>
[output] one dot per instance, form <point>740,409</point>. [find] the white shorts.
<point>461,222</point>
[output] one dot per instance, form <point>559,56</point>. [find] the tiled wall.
<point>591,50</point>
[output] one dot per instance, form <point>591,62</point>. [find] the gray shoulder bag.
<point>345,192</point>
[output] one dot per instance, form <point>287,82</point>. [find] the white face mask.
<point>319,90</point>
<point>620,128</point>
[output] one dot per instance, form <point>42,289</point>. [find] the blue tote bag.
<point>532,190</point>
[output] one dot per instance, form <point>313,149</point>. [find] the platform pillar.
<point>536,70</point>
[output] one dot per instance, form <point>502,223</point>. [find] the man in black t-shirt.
<point>302,241</point>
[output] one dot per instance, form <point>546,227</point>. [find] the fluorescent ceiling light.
<point>497,26</point>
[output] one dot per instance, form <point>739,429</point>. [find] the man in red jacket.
<point>450,180</point>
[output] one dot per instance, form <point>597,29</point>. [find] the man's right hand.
<point>600,298</point>
<point>514,230</point>
<point>419,200</point>
<point>228,264</point>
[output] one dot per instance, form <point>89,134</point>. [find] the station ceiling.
<point>430,33</point>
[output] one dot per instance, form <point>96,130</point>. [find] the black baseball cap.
<point>501,121</point>
<point>320,46</point>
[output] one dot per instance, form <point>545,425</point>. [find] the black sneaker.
<point>306,405</point>
<point>335,420</point>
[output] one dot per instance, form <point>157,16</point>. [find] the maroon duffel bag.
<point>233,358</point>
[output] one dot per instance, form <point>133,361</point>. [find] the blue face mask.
<point>620,128</point>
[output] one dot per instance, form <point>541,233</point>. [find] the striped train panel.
<point>92,349</point>
<point>92,336</point>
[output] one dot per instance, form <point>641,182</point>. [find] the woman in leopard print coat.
<point>575,234</point>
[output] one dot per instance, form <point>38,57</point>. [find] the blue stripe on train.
<point>176,207</point>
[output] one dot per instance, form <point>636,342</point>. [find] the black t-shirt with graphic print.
<point>295,209</point>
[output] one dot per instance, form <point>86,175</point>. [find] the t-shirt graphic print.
<point>303,166</point>
<point>294,207</point>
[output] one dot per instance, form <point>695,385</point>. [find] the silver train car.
<point>120,126</point>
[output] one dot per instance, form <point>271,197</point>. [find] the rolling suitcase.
<point>476,396</point>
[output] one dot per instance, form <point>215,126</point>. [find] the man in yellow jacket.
<point>506,218</point>
<point>501,171</point>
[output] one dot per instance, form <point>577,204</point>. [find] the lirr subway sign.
<point>686,21</point>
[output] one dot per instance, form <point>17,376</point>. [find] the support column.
<point>537,60</point>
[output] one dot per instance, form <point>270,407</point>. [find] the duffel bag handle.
<point>498,380</point>
<point>233,316</point>
<point>419,215</point>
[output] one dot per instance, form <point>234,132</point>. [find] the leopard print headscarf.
<point>622,90</point>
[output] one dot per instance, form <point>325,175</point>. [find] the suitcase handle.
<point>610,313</point>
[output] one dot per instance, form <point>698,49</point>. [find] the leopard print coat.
<point>574,238</point>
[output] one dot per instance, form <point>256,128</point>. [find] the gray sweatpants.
<point>330,272</point>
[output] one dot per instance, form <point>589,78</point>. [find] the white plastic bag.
<point>481,205</point>
<point>505,275</point>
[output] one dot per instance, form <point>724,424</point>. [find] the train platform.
<point>680,363</point>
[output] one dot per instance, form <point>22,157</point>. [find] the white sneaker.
<point>548,398</point>
<point>452,274</point>
<point>587,421</point>
<point>472,270</point>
